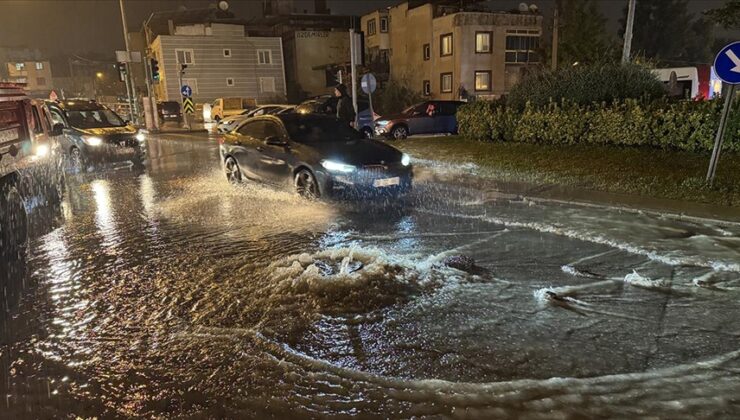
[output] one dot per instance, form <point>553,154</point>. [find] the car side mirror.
<point>275,141</point>
<point>57,129</point>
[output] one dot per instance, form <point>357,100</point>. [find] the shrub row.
<point>688,126</point>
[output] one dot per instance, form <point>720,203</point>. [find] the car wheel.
<point>399,133</point>
<point>233,173</point>
<point>306,185</point>
<point>367,132</point>
<point>14,228</point>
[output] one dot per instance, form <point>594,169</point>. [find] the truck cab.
<point>31,170</point>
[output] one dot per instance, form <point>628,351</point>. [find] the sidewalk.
<point>173,128</point>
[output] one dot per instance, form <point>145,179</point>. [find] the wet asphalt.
<point>166,292</point>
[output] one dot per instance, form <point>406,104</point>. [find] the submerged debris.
<point>460,262</point>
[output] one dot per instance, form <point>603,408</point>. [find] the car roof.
<point>79,105</point>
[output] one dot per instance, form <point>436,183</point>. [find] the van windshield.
<point>95,118</point>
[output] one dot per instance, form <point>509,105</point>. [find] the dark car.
<point>316,154</point>
<point>94,135</point>
<point>169,111</point>
<point>430,117</point>
<point>327,105</point>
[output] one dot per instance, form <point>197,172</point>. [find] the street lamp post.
<point>132,91</point>
<point>98,75</point>
<point>627,48</point>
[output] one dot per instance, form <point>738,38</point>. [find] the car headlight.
<point>405,160</point>
<point>92,140</point>
<point>382,123</point>
<point>42,150</point>
<point>140,136</point>
<point>333,166</point>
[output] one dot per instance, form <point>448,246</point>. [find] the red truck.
<point>31,166</point>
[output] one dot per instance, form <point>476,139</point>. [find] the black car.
<point>169,111</point>
<point>316,154</point>
<point>94,135</point>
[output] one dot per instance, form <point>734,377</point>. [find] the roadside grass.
<point>632,170</point>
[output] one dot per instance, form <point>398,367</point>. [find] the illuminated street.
<point>165,291</point>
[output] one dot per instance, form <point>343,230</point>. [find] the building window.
<point>264,56</point>
<point>384,24</point>
<point>384,56</point>
<point>39,66</point>
<point>267,84</point>
<point>445,45</point>
<point>371,27</point>
<point>41,81</point>
<point>192,82</point>
<point>227,52</point>
<point>521,47</point>
<point>427,88</point>
<point>445,82</point>
<point>184,56</point>
<point>427,51</point>
<point>20,66</point>
<point>482,42</point>
<point>229,81</point>
<point>483,80</point>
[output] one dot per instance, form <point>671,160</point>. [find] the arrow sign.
<point>727,64</point>
<point>187,105</point>
<point>186,91</point>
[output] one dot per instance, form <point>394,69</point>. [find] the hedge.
<point>688,126</point>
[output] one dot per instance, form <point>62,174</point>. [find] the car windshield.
<point>319,130</point>
<point>94,118</point>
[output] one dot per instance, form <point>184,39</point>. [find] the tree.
<point>582,32</point>
<point>667,33</point>
<point>727,16</point>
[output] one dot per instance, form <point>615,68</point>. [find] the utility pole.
<point>626,49</point>
<point>555,30</point>
<point>129,77</point>
<point>353,65</point>
<point>185,118</point>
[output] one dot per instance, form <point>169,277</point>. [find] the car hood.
<point>106,131</point>
<point>232,119</point>
<point>392,117</point>
<point>357,152</point>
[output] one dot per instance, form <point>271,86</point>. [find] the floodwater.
<point>169,293</point>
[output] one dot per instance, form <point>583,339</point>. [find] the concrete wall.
<point>210,68</point>
<point>310,52</point>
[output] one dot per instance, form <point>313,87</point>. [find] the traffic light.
<point>154,64</point>
<point>121,71</point>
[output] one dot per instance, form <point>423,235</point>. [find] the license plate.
<point>124,151</point>
<point>387,182</point>
<point>9,135</point>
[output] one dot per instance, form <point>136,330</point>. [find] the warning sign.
<point>187,105</point>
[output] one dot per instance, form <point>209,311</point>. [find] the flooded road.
<point>166,292</point>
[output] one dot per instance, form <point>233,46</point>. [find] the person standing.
<point>345,109</point>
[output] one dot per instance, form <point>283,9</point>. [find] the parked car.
<point>169,111</point>
<point>430,117</point>
<point>226,107</point>
<point>94,135</point>
<point>315,154</point>
<point>228,124</point>
<point>327,104</point>
<point>31,172</point>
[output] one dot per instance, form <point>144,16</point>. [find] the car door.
<point>421,120</point>
<point>274,160</point>
<point>244,144</point>
<point>444,118</point>
<point>57,117</point>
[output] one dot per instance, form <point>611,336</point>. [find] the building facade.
<point>35,74</point>
<point>221,62</point>
<point>376,29</point>
<point>446,52</point>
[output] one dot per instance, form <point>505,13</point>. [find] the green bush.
<point>393,98</point>
<point>688,126</point>
<point>585,85</point>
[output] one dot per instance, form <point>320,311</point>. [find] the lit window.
<point>227,52</point>
<point>267,84</point>
<point>482,80</point>
<point>445,45</point>
<point>39,66</point>
<point>184,56</point>
<point>371,27</point>
<point>427,52</point>
<point>384,24</point>
<point>483,42</point>
<point>427,88</point>
<point>20,66</point>
<point>264,56</point>
<point>446,82</point>
<point>229,81</point>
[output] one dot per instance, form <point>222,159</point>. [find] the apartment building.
<point>35,74</point>
<point>448,52</point>
<point>377,42</point>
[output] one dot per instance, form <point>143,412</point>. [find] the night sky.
<point>79,26</point>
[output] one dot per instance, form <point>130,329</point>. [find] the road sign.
<point>187,105</point>
<point>369,84</point>
<point>727,63</point>
<point>186,91</point>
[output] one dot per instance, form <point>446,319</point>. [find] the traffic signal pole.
<point>133,114</point>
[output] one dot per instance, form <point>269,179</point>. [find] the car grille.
<point>120,141</point>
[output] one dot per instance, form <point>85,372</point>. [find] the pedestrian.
<point>345,109</point>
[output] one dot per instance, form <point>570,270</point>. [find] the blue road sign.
<point>727,64</point>
<point>186,91</point>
